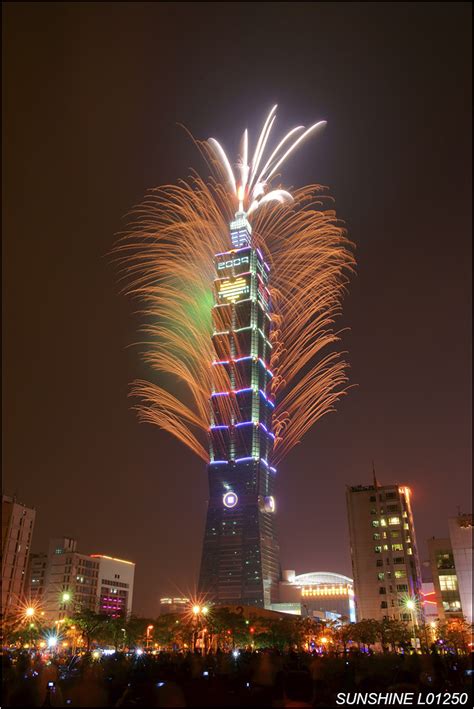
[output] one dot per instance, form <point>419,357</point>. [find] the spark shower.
<point>167,260</point>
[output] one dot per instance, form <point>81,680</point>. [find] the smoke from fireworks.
<point>168,265</point>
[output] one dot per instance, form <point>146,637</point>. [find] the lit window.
<point>398,547</point>
<point>377,549</point>
<point>409,550</point>
<point>394,520</point>
<point>381,576</point>
<point>448,583</point>
<point>376,535</point>
<point>399,574</point>
<point>383,522</point>
<point>375,523</point>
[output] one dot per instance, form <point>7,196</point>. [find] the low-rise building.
<point>65,581</point>
<point>319,594</point>
<point>460,534</point>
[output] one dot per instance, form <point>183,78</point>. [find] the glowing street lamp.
<point>66,597</point>
<point>196,610</point>
<point>30,611</point>
<point>410,605</point>
<point>148,632</point>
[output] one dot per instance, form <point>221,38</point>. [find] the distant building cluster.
<point>61,581</point>
<point>388,579</point>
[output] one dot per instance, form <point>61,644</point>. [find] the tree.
<point>456,633</point>
<point>365,632</point>
<point>343,635</point>
<point>392,633</point>
<point>91,624</point>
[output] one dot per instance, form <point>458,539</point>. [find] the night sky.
<point>93,93</point>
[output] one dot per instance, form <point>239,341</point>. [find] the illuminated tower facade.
<point>240,559</point>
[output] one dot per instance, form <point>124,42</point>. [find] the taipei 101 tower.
<point>240,558</point>
<point>253,375</point>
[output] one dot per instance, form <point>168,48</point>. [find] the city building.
<point>445,580</point>
<point>64,581</point>
<point>115,585</point>
<point>319,594</point>
<point>174,605</point>
<point>386,569</point>
<point>430,606</point>
<point>35,576</point>
<point>240,558</point>
<point>17,531</point>
<point>460,534</point>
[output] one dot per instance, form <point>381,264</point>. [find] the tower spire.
<point>376,482</point>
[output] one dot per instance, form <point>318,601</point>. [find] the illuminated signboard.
<point>233,289</point>
<point>234,262</point>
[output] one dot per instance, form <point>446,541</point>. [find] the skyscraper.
<point>240,559</point>
<point>17,531</point>
<point>386,569</point>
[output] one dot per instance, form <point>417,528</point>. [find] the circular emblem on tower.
<point>230,499</point>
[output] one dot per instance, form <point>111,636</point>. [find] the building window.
<point>382,590</point>
<point>383,522</point>
<point>383,604</point>
<point>381,576</point>
<point>399,560</point>
<point>378,549</point>
<point>409,551</point>
<point>399,574</point>
<point>379,562</point>
<point>448,583</point>
<point>375,523</point>
<point>376,535</point>
<point>372,498</point>
<point>397,547</point>
<point>445,561</point>
<point>454,606</point>
<point>402,588</point>
<point>394,520</point>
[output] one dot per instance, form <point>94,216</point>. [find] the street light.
<point>148,631</point>
<point>66,597</point>
<point>410,605</point>
<point>30,611</point>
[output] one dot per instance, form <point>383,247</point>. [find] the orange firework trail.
<point>167,258</point>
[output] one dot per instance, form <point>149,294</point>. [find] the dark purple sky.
<point>92,96</point>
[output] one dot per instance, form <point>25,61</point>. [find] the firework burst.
<point>167,259</point>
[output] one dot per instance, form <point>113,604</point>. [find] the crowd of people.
<point>265,678</point>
